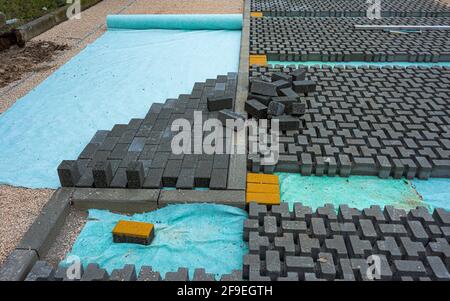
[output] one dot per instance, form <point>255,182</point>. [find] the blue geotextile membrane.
<point>113,80</point>
<point>194,236</point>
<point>355,191</point>
<point>358,64</point>
<point>435,192</point>
<point>186,22</point>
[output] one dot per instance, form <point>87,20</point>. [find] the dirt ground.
<point>16,61</point>
<point>19,206</point>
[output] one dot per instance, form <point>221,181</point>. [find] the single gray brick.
<point>275,108</point>
<point>414,250</point>
<point>251,262</point>
<point>412,268</point>
<point>389,247</point>
<point>347,214</point>
<point>94,273</point>
<point>368,231</point>
<point>147,274</point>
<point>302,213</point>
<point>394,215</point>
<point>285,245</point>
<point>201,275</point>
<point>336,246</point>
<point>256,211</point>
<point>273,265</point>
<point>281,212</point>
<point>434,231</point>
<point>375,214</point>
<point>417,231</point>
<point>270,227</point>
<point>180,275</point>
<point>392,230</point>
<point>318,228</point>
<point>295,227</point>
<point>250,225</point>
<point>308,246</point>
<point>344,229</point>
<point>442,216</point>
<point>327,269</point>
<point>438,268</point>
<point>17,265</point>
<point>257,244</point>
<point>328,211</point>
<point>359,248</point>
<point>263,88</point>
<point>41,271</point>
<point>128,273</point>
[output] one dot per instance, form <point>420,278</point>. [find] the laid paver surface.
<point>388,121</point>
<point>336,39</point>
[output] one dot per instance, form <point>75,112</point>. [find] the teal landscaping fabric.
<point>185,22</point>
<point>194,236</point>
<point>355,191</point>
<point>111,81</point>
<point>435,192</point>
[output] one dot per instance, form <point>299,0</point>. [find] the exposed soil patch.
<point>36,56</point>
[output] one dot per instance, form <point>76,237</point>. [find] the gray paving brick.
<point>336,246</point>
<point>358,248</point>
<point>389,247</point>
<point>94,273</point>
<point>257,244</point>
<point>201,275</point>
<point>412,268</point>
<point>438,268</point>
<point>270,227</point>
<point>180,275</point>
<point>308,246</point>
<point>273,265</point>
<point>147,274</point>
<point>368,231</point>
<point>127,273</point>
<point>285,245</point>
<point>327,269</point>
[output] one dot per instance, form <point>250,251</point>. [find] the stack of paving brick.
<point>388,121</point>
<point>325,245</point>
<point>349,8</point>
<point>43,271</point>
<point>336,39</point>
<point>278,98</point>
<point>139,154</point>
<point>263,189</point>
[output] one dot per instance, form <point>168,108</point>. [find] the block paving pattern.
<point>139,154</point>
<point>349,8</point>
<point>334,245</point>
<point>388,121</point>
<point>336,39</point>
<point>302,245</point>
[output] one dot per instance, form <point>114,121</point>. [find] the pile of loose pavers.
<point>390,122</point>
